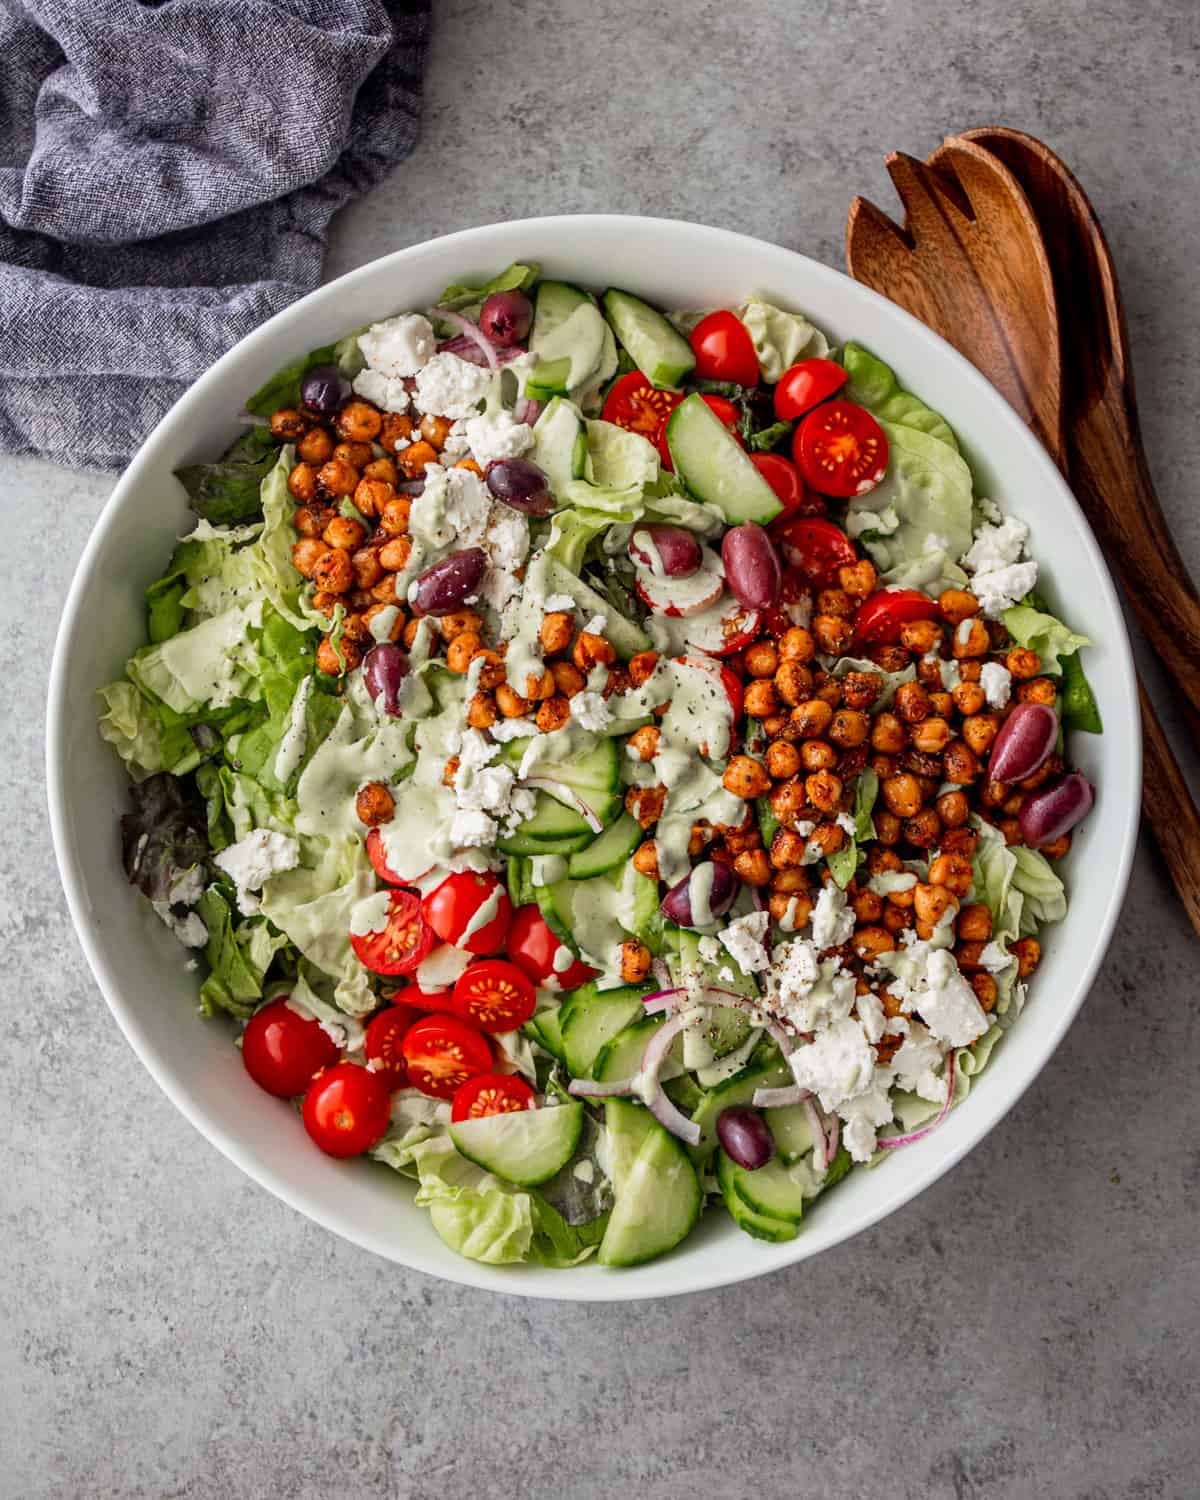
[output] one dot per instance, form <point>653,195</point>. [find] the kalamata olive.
<point>702,896</point>
<point>744,1137</point>
<point>447,585</point>
<point>751,566</point>
<point>324,389</point>
<point>505,318</point>
<point>385,667</point>
<point>520,483</point>
<point>1026,738</point>
<point>1054,810</point>
<point>667,551</point>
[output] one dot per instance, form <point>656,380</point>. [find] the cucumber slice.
<point>646,910</point>
<point>622,1057</point>
<point>761,1226</point>
<point>517,878</point>
<point>548,378</point>
<point>657,1203</point>
<point>552,819</point>
<point>627,637</point>
<point>547,1030</point>
<point>590,1017</point>
<point>792,1130</point>
<point>520,843</point>
<point>596,769</point>
<point>736,1090</point>
<point>710,463</point>
<point>566,325</point>
<point>727,1026</point>
<point>776,1190</point>
<point>525,1148</point>
<point>560,444</point>
<point>608,850</point>
<point>558,921</point>
<point>662,355</point>
<point>628,1125</point>
<point>554,303</point>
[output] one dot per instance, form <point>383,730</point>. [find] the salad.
<point>612,764</point>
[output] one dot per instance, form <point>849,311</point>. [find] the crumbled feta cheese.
<point>559,604</point>
<point>917,1063</point>
<point>522,804</point>
<point>947,1003</point>
<point>1000,590</point>
<point>472,829</point>
<point>994,959</point>
<point>451,387</point>
<point>837,1065</point>
<point>847,824</point>
<point>795,968</point>
<point>709,950</point>
<point>832,920</point>
<point>398,346</point>
<point>189,929</point>
<point>1000,578</point>
<point>513,729</point>
<point>252,861</point>
<point>989,510</point>
<point>870,1014</point>
<point>591,712</point>
<point>744,941</point>
<point>456,443</point>
<point>595,626</point>
<point>388,392</point>
<point>493,436</point>
<point>186,887</point>
<point>996,682</point>
<point>863,1115</point>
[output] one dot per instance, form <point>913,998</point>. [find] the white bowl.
<point>140,968</point>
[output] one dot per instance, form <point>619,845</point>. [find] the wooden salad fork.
<point>971,262</point>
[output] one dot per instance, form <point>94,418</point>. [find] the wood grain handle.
<point>1113,486</point>
<point>1170,810</point>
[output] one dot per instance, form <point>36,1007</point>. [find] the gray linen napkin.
<point>168,171</point>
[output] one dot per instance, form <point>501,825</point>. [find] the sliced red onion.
<point>565,793</point>
<point>780,1098</point>
<point>660,1000</point>
<point>527,410</point>
<point>916,1135</point>
<point>584,1088</point>
<point>468,330</point>
<point>821,1152</point>
<point>661,1107</point>
<point>410,486</point>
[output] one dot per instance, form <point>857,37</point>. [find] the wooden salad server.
<point>970,262</point>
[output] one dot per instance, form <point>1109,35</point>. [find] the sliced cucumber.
<point>548,1031</point>
<point>714,468</point>
<point>627,637</point>
<point>555,302</point>
<point>628,1125</point>
<point>520,885</point>
<point>596,769</point>
<point>567,324</point>
<point>522,843</point>
<point>657,1203</point>
<point>776,1190</point>
<point>608,850</point>
<point>662,355</point>
<point>556,918</point>
<point>761,1226</point>
<point>548,378</point>
<point>527,1147</point>
<point>645,910</point>
<point>552,819</point>
<point>727,1027</point>
<point>622,1057</point>
<point>792,1130</point>
<point>560,445</point>
<point>736,1090</point>
<point>590,1017</point>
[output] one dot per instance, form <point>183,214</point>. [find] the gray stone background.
<point>1029,1327</point>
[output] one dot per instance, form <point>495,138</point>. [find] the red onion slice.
<point>779,1098</point>
<point>821,1152</point>
<point>916,1135</point>
<point>661,1107</point>
<point>468,330</point>
<point>584,1088</point>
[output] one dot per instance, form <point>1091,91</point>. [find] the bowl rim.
<point>990,1106</point>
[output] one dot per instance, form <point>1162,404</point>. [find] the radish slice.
<point>681,597</point>
<point>723,628</point>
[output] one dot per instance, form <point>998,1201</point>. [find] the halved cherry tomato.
<point>401,943</point>
<point>730,681</point>
<point>638,406</point>
<point>720,406</point>
<point>540,955</point>
<point>347,1109</point>
<point>495,995</point>
<point>784,478</point>
<point>416,998</point>
<point>459,901</point>
<point>441,1052</point>
<point>880,617</point>
<point>385,1032</point>
<point>281,1049</point>
<point>724,349</point>
<point>805,385</point>
<point>814,547</point>
<point>841,450</point>
<point>491,1094</point>
<point>377,853</point>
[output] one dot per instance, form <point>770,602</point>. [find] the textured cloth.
<point>168,172</point>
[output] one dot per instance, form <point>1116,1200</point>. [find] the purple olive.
<point>666,551</point>
<point>1026,739</point>
<point>324,389</point>
<point>1054,810</point>
<point>751,566</point>
<point>505,318</point>
<point>447,585</point>
<point>521,484</point>
<point>385,667</point>
<point>701,896</point>
<point>744,1137</point>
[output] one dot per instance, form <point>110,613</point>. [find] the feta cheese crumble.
<point>388,392</point>
<point>999,578</point>
<point>832,920</point>
<point>494,436</point>
<point>398,346</point>
<point>451,387</point>
<point>744,941</point>
<point>947,1003</point>
<point>591,712</point>
<point>252,861</point>
<point>996,682</point>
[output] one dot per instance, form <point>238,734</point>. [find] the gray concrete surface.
<point>1027,1328</point>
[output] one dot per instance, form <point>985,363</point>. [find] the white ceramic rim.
<point>988,1106</point>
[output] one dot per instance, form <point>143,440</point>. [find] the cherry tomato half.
<point>724,349</point>
<point>416,998</point>
<point>638,406</point>
<point>385,1032</point>
<point>841,450</point>
<point>784,478</point>
<point>535,950</point>
<point>377,854</point>
<point>814,547</point>
<point>720,406</point>
<point>491,1094</point>
<point>494,995</point>
<point>282,1049</point>
<point>441,1052</point>
<point>880,617</point>
<point>347,1109</point>
<point>401,943</point>
<point>805,385</point>
<point>460,901</point>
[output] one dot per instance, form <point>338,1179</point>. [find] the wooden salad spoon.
<point>970,262</point>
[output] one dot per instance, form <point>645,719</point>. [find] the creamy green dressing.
<point>545,869</point>
<point>295,737</point>
<point>339,766</point>
<point>486,912</point>
<point>370,914</point>
<point>384,622</point>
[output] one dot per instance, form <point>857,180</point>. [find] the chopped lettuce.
<point>459,297</point>
<point>283,388</point>
<point>239,953</point>
<point>619,459</point>
<point>210,664</point>
<point>131,727</point>
<point>162,837</point>
<point>1045,897</point>
<point>312,907</point>
<point>844,863</point>
<point>874,385</point>
<point>891,680</point>
<point>780,338</point>
<point>1043,633</point>
<point>227,491</point>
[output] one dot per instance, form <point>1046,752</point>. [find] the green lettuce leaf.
<point>459,297</point>
<point>1045,896</point>
<point>472,1211</point>
<point>557,1243</point>
<point>618,459</point>
<point>891,680</point>
<point>780,338</point>
<point>312,906</point>
<point>1043,633</point>
<point>283,388</point>
<point>131,727</point>
<point>845,861</point>
<point>1079,707</point>
<point>993,869</point>
<point>239,953</point>
<point>874,385</point>
<point>228,490</point>
<point>210,664</point>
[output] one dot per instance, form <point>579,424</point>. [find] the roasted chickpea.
<point>641,667</point>
<point>701,836</point>
<point>970,638</point>
<point>1011,829</point>
<point>793,682</point>
<point>373,612</point>
<point>288,425</point>
<point>752,867</point>
<point>924,830</point>
<point>870,942</point>
<point>357,455</point>
<point>849,727</point>
<point>509,701</point>
<point>858,579</point>
<point>413,460</point>
<point>302,482</point>
<point>860,689</point>
<point>824,790</point>
<point>461,650</point>
<point>645,803</point>
<point>382,469</point>
<point>932,902</point>
<point>993,793</point>
<point>1039,690</point>
<point>315,447</point>
<point>957,605</point>
<point>888,734</point>
<point>481,711</point>
<point>775,726</point>
<point>960,841</point>
<point>337,478</point>
<point>539,687</point>
<point>953,871</point>
<point>929,673</point>
<point>787,850</point>
<point>868,906</point>
<point>789,802</point>
<point>979,731</point>
<point>974,923</point>
<point>306,554</point>
<point>761,700</point>
<point>960,763</point>
<point>887,827</point>
<point>942,704</point>
<point>1028,952</point>
<point>912,702</point>
<point>921,636</point>
<point>931,736</point>
<point>791,912</point>
<point>394,555</point>
<point>591,651</point>
<point>396,431</point>
<point>953,809</point>
<point>811,719</point>
<point>568,679</point>
<point>902,793</point>
<point>968,697</point>
<point>835,602</point>
<point>471,466</point>
<point>553,713</point>
<point>1057,848</point>
<point>644,742</point>
<point>761,659</point>
<point>645,859</point>
<point>817,755</point>
<point>354,628</point>
<point>832,634</point>
<point>1023,663</point>
<point>331,663</point>
<point>358,422</point>
<point>789,882</point>
<point>897,919</point>
<point>435,430</point>
<point>333,571</point>
<point>344,532</point>
<point>617,680</point>
<point>888,658</point>
<point>555,632</point>
<point>797,644</point>
<point>374,804</point>
<point>410,632</point>
<point>783,760</point>
<point>986,990</point>
<point>746,777</point>
<point>368,570</point>
<point>635,961</point>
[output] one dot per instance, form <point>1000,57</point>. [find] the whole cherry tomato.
<point>347,1109</point>
<point>724,349</point>
<point>281,1049</point>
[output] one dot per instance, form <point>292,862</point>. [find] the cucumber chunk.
<point>567,324</point>
<point>622,1057</point>
<point>760,1226</point>
<point>548,378</point>
<point>523,843</point>
<point>792,1130</point>
<point>658,1200</point>
<point>727,1027</point>
<point>608,850</point>
<point>525,1148</point>
<point>628,1125</point>
<point>560,444</point>
<point>776,1190</point>
<point>736,1090</point>
<point>552,819</point>
<point>591,1017</point>
<point>712,466</point>
<point>547,1030</point>
<point>662,355</point>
